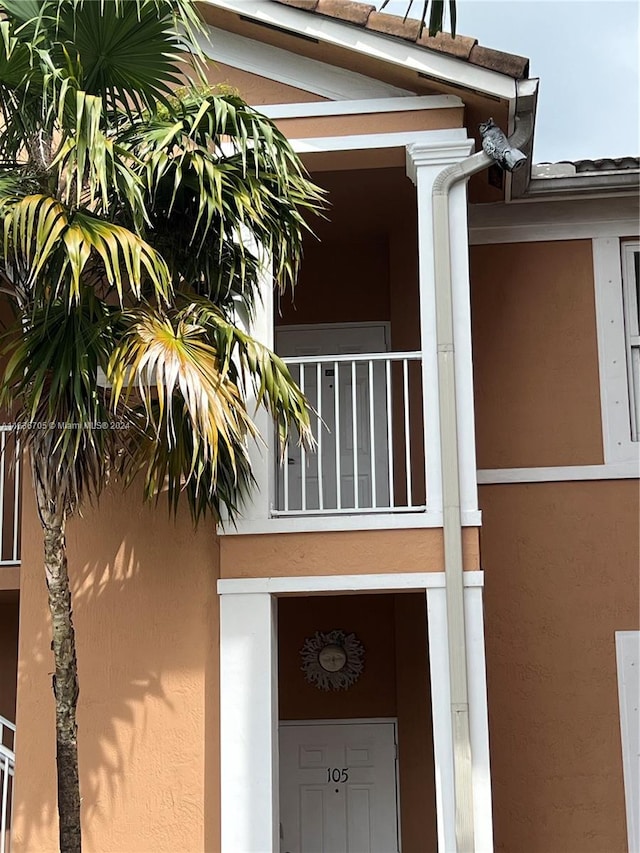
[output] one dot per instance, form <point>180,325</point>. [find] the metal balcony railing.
<point>367,423</point>
<point>9,496</point>
<point>7,767</point>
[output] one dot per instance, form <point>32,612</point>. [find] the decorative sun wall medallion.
<point>332,661</point>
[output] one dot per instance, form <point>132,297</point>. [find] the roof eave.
<point>429,63</point>
<point>626,182</point>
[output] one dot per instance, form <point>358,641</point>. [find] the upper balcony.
<point>359,339</point>
<point>367,425</point>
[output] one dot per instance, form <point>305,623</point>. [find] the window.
<point>631,308</point>
<point>617,285</point>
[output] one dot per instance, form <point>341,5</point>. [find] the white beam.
<point>319,584</point>
<point>248,724</point>
<point>310,75</point>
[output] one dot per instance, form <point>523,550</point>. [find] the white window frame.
<point>619,446</point>
<point>632,332</point>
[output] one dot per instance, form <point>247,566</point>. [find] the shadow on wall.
<point>145,623</point>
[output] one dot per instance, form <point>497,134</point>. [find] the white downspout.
<point>452,518</point>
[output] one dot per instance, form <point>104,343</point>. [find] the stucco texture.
<point>561,577</point>
<point>535,355</point>
<point>350,552</point>
<point>145,610</point>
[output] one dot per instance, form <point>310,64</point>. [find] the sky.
<point>586,54</point>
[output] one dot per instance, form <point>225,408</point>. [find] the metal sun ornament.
<point>332,660</point>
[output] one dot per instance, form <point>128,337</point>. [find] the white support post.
<point>441,715</point>
<point>249,724</point>
<point>261,450</point>
<point>478,719</point>
<point>424,162</point>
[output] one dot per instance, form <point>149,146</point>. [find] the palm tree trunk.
<point>65,680</point>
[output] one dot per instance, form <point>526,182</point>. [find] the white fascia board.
<point>444,144</point>
<point>375,45</point>
<point>341,583</point>
<point>361,107</point>
<point>560,219</point>
<point>274,63</point>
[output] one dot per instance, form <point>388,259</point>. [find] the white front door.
<point>366,398</point>
<point>338,788</point>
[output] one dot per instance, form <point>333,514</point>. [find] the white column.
<point>261,452</point>
<point>248,724</point>
<point>424,162</point>
<point>441,715</point>
<point>478,719</point>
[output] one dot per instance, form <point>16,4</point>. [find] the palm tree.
<point>137,218</point>
<point>435,10</point>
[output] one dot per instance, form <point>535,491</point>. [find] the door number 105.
<point>336,774</point>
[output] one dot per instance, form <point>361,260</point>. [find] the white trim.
<point>612,356</point>
<point>321,584</point>
<point>631,309</point>
<point>280,65</point>
<point>323,523</point>
<point>480,236</point>
<point>362,107</point>
<point>629,470</point>
<point>374,45</point>
<point>628,665</point>
<point>445,146</point>
<point>533,220</point>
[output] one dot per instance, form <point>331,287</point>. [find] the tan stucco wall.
<point>561,576</point>
<point>390,122</point>
<point>145,610</point>
<point>350,552</point>
<point>395,683</point>
<point>535,356</point>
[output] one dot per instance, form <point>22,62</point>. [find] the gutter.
<point>452,517</point>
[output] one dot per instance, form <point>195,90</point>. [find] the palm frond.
<point>52,246</point>
<point>216,170</point>
<point>435,11</point>
<point>52,367</point>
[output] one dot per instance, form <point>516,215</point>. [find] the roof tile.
<point>354,13</point>
<point>504,63</point>
<point>460,46</point>
<point>307,5</point>
<point>394,25</point>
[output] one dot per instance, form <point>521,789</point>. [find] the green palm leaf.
<point>52,247</point>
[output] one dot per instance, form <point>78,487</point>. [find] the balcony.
<point>367,425</point>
